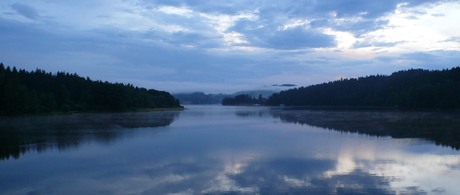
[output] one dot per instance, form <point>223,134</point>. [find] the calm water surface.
<point>231,150</point>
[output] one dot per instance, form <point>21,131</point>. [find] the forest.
<point>243,99</point>
<point>408,89</point>
<point>33,92</point>
<point>197,98</point>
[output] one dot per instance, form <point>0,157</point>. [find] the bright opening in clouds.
<point>226,46</point>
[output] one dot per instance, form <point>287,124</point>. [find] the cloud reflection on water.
<point>407,168</point>
<point>248,150</point>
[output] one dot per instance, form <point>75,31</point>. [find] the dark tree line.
<point>24,92</point>
<point>410,89</point>
<point>200,98</point>
<point>243,99</point>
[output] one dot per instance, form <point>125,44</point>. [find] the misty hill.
<point>244,100</point>
<point>200,98</point>
<point>255,93</point>
<point>23,92</point>
<point>410,89</point>
<point>248,98</point>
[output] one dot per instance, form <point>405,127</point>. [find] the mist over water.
<point>231,150</point>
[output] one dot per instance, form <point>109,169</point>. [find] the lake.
<point>232,150</point>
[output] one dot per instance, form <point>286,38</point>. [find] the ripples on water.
<point>231,150</point>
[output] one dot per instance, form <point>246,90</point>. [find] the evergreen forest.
<point>408,89</point>
<point>33,92</point>
<point>243,99</point>
<point>197,98</point>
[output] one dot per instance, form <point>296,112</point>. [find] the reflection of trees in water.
<point>24,134</point>
<point>442,128</point>
<point>254,113</point>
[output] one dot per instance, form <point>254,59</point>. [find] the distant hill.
<point>255,93</point>
<point>23,92</point>
<point>410,89</point>
<point>244,100</point>
<point>248,98</point>
<point>284,85</point>
<point>200,98</point>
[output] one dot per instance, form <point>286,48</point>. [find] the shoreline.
<point>93,112</point>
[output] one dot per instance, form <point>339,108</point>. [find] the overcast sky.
<point>228,45</point>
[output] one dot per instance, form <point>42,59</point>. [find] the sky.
<point>224,46</point>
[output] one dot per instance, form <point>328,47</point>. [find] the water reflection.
<point>440,127</point>
<point>241,150</point>
<point>24,134</point>
<point>348,172</point>
<point>308,176</point>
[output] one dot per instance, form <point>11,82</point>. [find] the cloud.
<point>432,59</point>
<point>302,176</point>
<point>273,37</point>
<point>294,8</point>
<point>193,40</point>
<point>298,38</point>
<point>347,8</point>
<point>284,85</point>
<point>356,15</point>
<point>224,45</point>
<point>375,44</point>
<point>25,10</point>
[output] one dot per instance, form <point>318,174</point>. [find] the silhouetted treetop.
<point>412,89</point>
<point>24,92</point>
<point>243,99</point>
